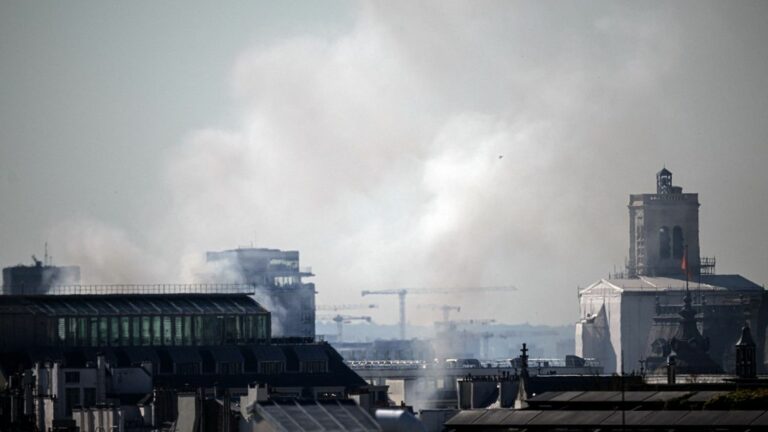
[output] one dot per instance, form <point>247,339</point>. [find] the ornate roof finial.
<point>746,336</point>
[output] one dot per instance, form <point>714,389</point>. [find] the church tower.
<point>661,225</point>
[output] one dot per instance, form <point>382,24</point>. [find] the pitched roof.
<point>568,419</point>
<point>647,283</point>
<point>305,415</point>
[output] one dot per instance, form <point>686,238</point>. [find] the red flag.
<point>684,264</point>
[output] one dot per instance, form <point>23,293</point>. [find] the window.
<point>199,330</point>
<point>62,331</point>
<point>212,329</point>
<point>114,331</point>
<point>103,331</point>
<point>187,330</point>
<point>167,331</point>
<point>136,334</point>
<point>146,330</point>
<point>307,317</point>
<point>71,331</point>
<point>230,368</point>
<point>313,366</point>
<point>664,249</point>
<point>50,332</point>
<point>71,377</point>
<point>178,327</point>
<point>156,331</point>
<point>271,367</point>
<point>82,331</point>
<point>232,332</point>
<point>94,326</point>
<point>187,369</point>
<point>283,281</point>
<point>249,324</point>
<point>125,331</point>
<point>262,327</point>
<point>677,242</point>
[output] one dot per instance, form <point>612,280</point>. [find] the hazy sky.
<point>394,143</point>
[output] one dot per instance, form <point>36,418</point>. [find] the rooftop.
<point>296,415</point>
<point>120,304</point>
<point>706,283</point>
<point>504,419</point>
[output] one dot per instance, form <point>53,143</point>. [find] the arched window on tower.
<point>677,242</point>
<point>664,248</point>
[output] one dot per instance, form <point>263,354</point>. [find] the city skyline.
<point>393,145</point>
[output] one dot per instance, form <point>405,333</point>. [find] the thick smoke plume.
<point>464,144</point>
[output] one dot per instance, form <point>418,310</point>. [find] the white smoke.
<point>448,144</point>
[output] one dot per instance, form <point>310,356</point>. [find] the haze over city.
<point>398,144</point>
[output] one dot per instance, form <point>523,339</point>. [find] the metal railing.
<point>149,289</point>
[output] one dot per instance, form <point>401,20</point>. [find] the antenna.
<point>45,257</point>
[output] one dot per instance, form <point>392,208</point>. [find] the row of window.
<point>162,330</point>
<point>269,367</point>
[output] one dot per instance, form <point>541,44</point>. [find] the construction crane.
<point>335,308</point>
<point>446,309</point>
<point>340,320</point>
<point>402,292</point>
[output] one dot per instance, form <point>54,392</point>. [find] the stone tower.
<point>660,226</point>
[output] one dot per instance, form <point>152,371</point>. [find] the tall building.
<point>278,280</point>
<point>661,225</point>
<point>624,315</point>
<point>38,278</point>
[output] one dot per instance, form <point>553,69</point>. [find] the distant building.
<point>37,278</point>
<point>624,315</point>
<point>279,284</point>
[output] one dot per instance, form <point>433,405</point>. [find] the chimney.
<point>101,378</point>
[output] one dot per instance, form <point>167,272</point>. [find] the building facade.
<point>661,226</point>
<point>278,282</point>
<point>38,278</point>
<point>617,313</point>
<point>122,361</point>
